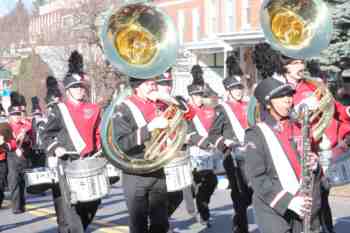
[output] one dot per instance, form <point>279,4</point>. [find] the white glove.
<point>60,151</point>
<point>297,205</point>
<point>228,142</point>
<point>19,152</point>
<point>2,140</point>
<point>157,123</point>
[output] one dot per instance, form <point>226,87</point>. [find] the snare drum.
<point>201,159</point>
<point>113,173</point>
<point>178,174</point>
<point>87,179</point>
<point>39,179</point>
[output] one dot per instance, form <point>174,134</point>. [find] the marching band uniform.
<point>72,125</point>
<point>20,153</point>
<point>38,158</point>
<point>146,194</point>
<point>273,167</point>
<point>5,145</point>
<point>199,147</point>
<point>337,130</point>
<point>226,134</point>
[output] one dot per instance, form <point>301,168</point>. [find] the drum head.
<point>38,189</point>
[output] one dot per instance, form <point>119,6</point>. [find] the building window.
<point>246,14</point>
<point>230,15</point>
<point>213,16</point>
<point>181,25</point>
<point>195,24</point>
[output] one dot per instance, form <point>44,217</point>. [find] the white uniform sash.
<point>78,142</point>
<point>137,114</point>
<point>286,174</point>
<point>236,125</point>
<point>199,127</point>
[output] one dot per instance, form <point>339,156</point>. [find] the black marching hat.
<point>195,89</point>
<point>271,88</point>
<point>18,104</point>
<point>52,90</point>
<point>36,110</point>
<point>75,74</point>
<point>232,82</point>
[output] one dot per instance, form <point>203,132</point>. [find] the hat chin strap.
<point>73,98</point>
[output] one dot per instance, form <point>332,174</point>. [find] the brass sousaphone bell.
<point>297,28</point>
<point>141,41</point>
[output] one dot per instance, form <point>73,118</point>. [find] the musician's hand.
<point>229,143</point>
<point>298,205</point>
<point>60,151</point>
<point>157,123</point>
<point>2,140</point>
<point>19,152</point>
<point>312,161</point>
<point>182,103</point>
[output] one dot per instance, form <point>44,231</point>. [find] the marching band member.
<point>338,129</point>
<point>273,149</point>
<point>201,153</point>
<point>38,157</point>
<point>6,142</point>
<point>146,194</point>
<point>226,134</point>
<point>17,158</point>
<point>73,125</point>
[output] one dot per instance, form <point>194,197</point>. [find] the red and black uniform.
<point>57,133</point>
<point>146,194</point>
<point>17,165</point>
<point>199,145</point>
<point>339,125</point>
<point>337,130</point>
<point>273,168</point>
<point>230,124</point>
<point>9,145</point>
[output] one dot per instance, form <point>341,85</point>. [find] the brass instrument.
<point>141,42</point>
<point>297,28</point>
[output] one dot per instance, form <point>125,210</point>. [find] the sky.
<point>7,5</point>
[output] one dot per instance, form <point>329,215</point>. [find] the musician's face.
<point>236,94</point>
<point>197,100</point>
<point>295,69</point>
<point>15,118</point>
<point>166,89</point>
<point>77,92</point>
<point>281,106</point>
<point>148,90</point>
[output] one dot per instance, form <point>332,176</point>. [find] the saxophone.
<point>307,175</point>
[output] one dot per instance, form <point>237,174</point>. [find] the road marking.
<point>101,226</point>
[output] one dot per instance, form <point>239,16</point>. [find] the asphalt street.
<point>112,216</point>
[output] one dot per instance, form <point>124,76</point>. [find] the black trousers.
<point>205,184</point>
<point>146,199</point>
<point>326,218</point>
<point>3,177</point>
<point>73,218</point>
<point>174,200</point>
<point>241,194</point>
<point>16,167</point>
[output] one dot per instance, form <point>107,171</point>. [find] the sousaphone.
<point>141,41</point>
